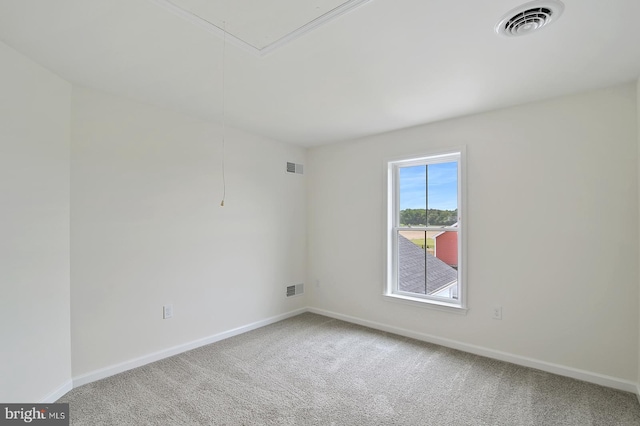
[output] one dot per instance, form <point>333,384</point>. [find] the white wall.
<point>552,221</point>
<point>148,230</point>
<point>35,357</point>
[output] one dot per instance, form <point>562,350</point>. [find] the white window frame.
<point>392,182</point>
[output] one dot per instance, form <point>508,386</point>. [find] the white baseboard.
<point>58,393</point>
<point>599,379</point>
<point>165,353</point>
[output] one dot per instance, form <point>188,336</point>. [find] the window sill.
<point>423,303</point>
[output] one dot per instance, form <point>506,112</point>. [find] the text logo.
<point>36,414</point>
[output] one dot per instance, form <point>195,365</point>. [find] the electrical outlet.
<point>497,312</point>
<point>167,311</point>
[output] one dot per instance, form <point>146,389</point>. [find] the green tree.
<point>418,217</point>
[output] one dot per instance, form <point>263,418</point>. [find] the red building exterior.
<point>446,248</point>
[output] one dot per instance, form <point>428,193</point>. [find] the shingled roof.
<point>411,270</point>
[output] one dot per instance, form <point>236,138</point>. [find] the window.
<point>424,230</point>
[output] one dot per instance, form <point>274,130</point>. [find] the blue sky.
<point>442,187</point>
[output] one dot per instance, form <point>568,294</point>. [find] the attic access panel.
<point>258,25</point>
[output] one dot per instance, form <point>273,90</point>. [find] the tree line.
<point>418,217</point>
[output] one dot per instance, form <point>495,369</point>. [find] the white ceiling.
<point>256,25</point>
<point>385,65</point>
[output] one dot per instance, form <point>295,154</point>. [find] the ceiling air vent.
<point>529,17</point>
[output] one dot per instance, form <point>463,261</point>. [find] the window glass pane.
<point>420,271</point>
<point>442,193</point>
<point>442,267</point>
<point>413,196</point>
<point>411,262</point>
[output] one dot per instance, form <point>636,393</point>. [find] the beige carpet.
<point>313,370</point>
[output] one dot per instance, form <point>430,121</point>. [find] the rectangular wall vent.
<point>295,168</point>
<point>295,290</point>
